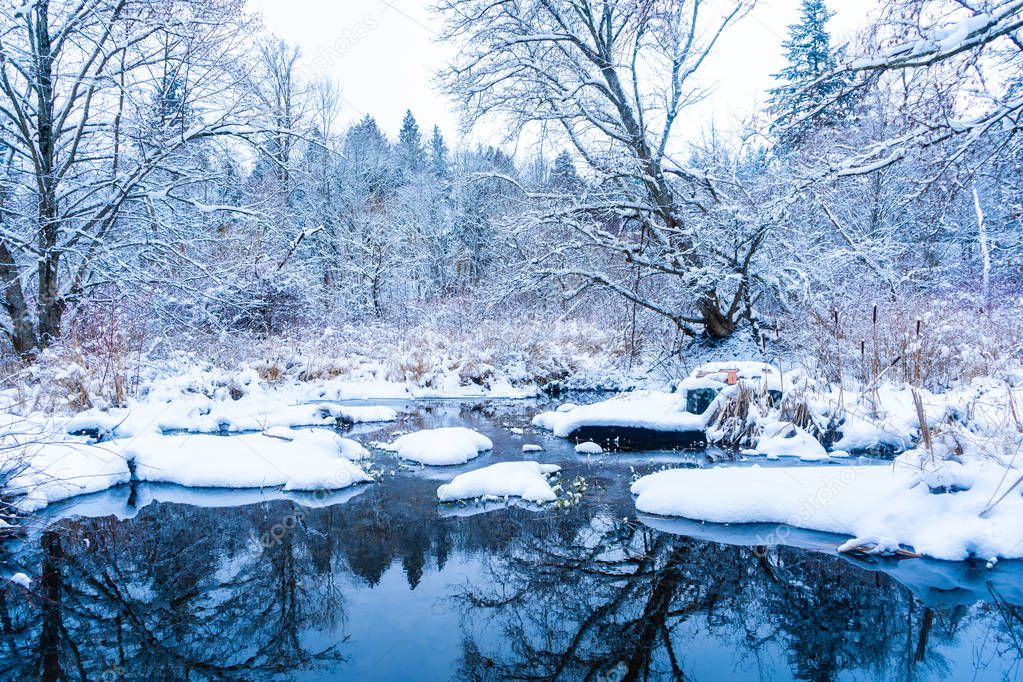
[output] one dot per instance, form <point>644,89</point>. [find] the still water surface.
<point>380,582</point>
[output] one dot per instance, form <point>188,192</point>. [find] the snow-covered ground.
<point>306,459</point>
<point>952,492</point>
<point>172,430</point>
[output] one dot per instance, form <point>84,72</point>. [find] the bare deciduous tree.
<point>615,79</point>
<point>79,83</point>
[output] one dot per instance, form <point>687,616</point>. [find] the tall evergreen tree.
<point>809,57</point>
<point>563,176</point>
<point>438,154</point>
<point>411,157</point>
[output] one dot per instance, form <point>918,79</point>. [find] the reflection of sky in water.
<point>378,583</point>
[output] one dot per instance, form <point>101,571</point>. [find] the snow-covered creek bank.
<point>382,581</point>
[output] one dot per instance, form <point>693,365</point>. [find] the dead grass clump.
<point>98,362</point>
<point>733,422</point>
<point>920,341</point>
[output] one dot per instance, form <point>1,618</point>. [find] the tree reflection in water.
<point>184,592</point>
<point>624,602</point>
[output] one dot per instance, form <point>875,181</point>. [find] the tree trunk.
<point>50,306</point>
<point>23,336</point>
<point>716,324</point>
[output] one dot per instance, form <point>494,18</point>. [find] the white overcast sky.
<point>384,55</point>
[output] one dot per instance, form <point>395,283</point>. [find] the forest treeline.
<point>172,157</point>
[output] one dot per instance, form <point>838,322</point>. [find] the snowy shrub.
<point>98,361</point>
<point>265,306</point>
<point>929,340</point>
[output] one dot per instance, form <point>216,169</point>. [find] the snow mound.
<point>783,439</point>
<point>527,480</point>
<point>532,447</point>
<point>298,460</point>
<point>890,502</point>
<point>886,420</point>
<point>22,580</point>
<point>654,410</point>
<point>440,447</point>
<point>588,448</point>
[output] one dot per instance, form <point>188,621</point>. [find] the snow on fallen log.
<point>525,480</point>
<point>655,410</point>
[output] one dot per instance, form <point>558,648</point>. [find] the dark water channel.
<point>379,582</point>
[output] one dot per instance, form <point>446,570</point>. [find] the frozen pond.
<point>379,582</point>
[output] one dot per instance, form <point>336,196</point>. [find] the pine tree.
<point>411,157</point>
<point>169,116</point>
<point>810,56</point>
<point>563,176</point>
<point>438,154</point>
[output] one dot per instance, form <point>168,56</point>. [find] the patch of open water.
<point>379,582</point>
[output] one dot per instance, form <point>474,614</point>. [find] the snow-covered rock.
<point>783,439</point>
<point>532,447</point>
<point>588,448</point>
<point>440,447</point>
<point>526,480</point>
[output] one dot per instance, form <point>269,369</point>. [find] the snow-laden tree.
<point>563,176</point>
<point>86,88</point>
<point>281,108</point>
<point>614,77</point>
<point>409,151</point>
<point>439,154</point>
<point>806,81</point>
<point>368,180</point>
<point>970,55</point>
<point>890,196</point>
